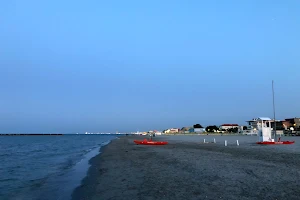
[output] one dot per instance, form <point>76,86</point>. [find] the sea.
<point>46,167</point>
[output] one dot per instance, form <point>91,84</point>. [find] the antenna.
<point>274,110</point>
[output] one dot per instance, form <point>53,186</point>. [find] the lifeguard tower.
<point>264,129</point>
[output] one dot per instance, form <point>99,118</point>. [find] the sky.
<point>107,66</point>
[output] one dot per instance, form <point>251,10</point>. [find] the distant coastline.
<point>28,134</point>
<point>54,134</point>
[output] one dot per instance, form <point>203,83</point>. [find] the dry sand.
<point>189,170</point>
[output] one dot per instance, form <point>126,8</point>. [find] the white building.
<point>199,130</point>
<point>158,133</point>
<point>228,126</point>
<point>171,130</point>
<point>255,124</point>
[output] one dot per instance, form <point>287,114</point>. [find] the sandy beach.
<point>189,170</point>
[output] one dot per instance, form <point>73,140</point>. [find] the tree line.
<point>214,128</point>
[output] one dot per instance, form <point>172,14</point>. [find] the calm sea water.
<point>45,167</point>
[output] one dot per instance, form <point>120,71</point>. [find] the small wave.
<point>68,164</point>
<point>8,179</point>
<point>88,150</point>
<point>75,159</point>
<point>5,154</point>
<point>105,143</point>
<point>37,183</point>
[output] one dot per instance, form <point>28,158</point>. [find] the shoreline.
<point>90,179</point>
<point>189,170</point>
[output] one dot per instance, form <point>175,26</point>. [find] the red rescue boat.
<point>270,142</point>
<point>149,142</point>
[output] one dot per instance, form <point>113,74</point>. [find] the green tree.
<point>198,126</point>
<point>211,128</point>
<point>233,130</point>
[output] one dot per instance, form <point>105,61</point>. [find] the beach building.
<point>292,122</point>
<point>228,126</point>
<point>171,131</point>
<point>279,124</point>
<point>174,130</point>
<point>185,130</point>
<point>255,123</point>
<point>198,128</point>
<point>157,132</point>
<point>287,124</point>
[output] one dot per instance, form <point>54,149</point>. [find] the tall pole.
<point>274,111</point>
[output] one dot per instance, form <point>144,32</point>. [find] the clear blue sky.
<point>76,66</point>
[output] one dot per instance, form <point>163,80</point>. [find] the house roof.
<point>229,125</point>
<point>260,118</point>
<point>264,118</point>
<point>185,128</point>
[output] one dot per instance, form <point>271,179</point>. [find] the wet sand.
<point>189,170</point>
